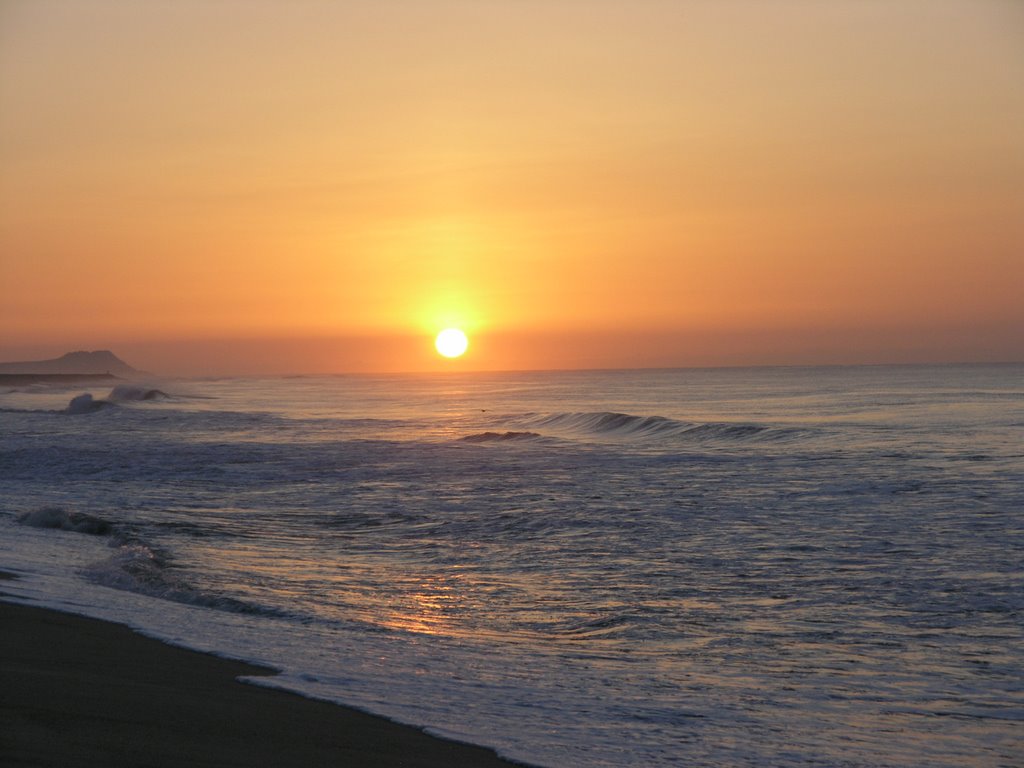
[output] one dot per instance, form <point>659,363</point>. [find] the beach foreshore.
<point>82,692</point>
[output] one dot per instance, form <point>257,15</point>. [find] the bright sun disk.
<point>451,342</point>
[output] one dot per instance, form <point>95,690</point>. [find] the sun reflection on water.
<point>426,608</point>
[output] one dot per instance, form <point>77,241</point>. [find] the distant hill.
<point>100,361</point>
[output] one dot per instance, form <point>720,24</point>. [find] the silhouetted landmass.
<point>74,363</point>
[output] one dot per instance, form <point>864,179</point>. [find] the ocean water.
<point>736,567</point>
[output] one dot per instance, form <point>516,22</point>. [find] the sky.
<point>226,187</point>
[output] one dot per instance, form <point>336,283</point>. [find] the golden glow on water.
<point>425,610</point>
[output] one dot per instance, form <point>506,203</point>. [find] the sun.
<point>451,342</point>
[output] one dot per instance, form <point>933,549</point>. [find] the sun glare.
<point>451,342</point>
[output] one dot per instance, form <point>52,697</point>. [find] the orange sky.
<point>226,187</point>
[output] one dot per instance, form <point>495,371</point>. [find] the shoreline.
<point>86,692</point>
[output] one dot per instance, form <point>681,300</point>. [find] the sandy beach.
<point>82,692</point>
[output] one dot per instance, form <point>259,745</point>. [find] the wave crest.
<point>143,569</point>
<point>130,392</point>
<point>612,424</point>
<point>492,437</point>
<point>135,565</point>
<point>85,403</point>
<point>58,517</point>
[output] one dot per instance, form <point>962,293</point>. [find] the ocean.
<point>730,567</point>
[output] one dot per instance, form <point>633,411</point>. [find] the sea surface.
<point>732,567</point>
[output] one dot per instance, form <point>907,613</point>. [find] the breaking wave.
<point>85,403</point>
<point>139,567</point>
<point>492,437</point>
<point>135,566</point>
<point>123,393</point>
<point>130,392</point>
<point>611,424</point>
<point>57,517</point>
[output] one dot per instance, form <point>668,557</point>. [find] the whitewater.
<point>731,567</point>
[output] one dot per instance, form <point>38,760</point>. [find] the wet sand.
<point>82,692</point>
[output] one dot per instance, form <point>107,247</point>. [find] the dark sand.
<point>81,692</point>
